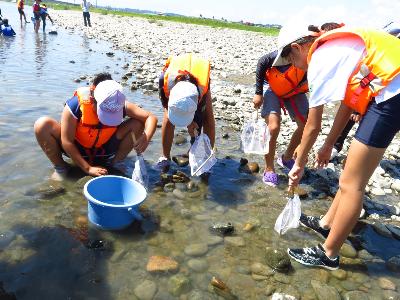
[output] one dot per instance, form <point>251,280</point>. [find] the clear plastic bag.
<point>201,156</point>
<point>290,216</point>
<point>255,137</point>
<point>139,174</point>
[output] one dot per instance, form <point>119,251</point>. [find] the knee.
<point>43,125</point>
<point>274,129</point>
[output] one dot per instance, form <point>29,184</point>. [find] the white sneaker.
<point>334,153</point>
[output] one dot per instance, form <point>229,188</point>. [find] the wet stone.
<point>391,295</point>
<point>348,251</point>
<point>6,237</point>
<point>236,241</point>
<point>181,160</point>
<point>349,285</point>
<point>260,269</point>
<point>355,295</point>
<point>48,190</point>
<point>282,278</point>
<point>169,187</point>
<point>339,274</point>
<point>324,291</point>
<point>196,249</point>
<point>222,229</point>
<point>159,263</point>
<point>198,265</point>
<point>146,290</point>
<point>386,284</point>
<point>179,284</point>
<point>79,184</point>
<point>393,264</point>
<point>278,260</point>
<point>382,230</point>
<point>214,240</point>
<point>394,230</point>
<point>178,194</point>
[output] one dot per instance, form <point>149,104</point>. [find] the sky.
<point>370,13</point>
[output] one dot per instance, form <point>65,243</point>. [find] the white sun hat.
<point>182,103</point>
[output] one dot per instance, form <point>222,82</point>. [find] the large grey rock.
<point>393,264</point>
<point>196,249</point>
<point>146,290</point>
<point>277,259</point>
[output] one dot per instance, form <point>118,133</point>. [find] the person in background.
<point>86,15</point>
<point>36,14</point>
<point>93,132</point>
<point>20,7</point>
<point>6,29</point>
<point>43,15</point>
<point>184,88</point>
<point>287,91</point>
<point>344,64</point>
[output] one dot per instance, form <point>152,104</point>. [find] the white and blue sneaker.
<point>314,257</point>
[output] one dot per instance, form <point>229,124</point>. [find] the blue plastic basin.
<point>113,201</point>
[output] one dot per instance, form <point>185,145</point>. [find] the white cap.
<point>182,103</point>
<point>287,35</point>
<point>110,102</point>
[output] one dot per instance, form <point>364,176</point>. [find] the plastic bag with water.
<point>255,137</point>
<point>201,156</point>
<point>290,216</point>
<point>140,172</point>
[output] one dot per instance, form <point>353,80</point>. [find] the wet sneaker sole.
<point>311,265</point>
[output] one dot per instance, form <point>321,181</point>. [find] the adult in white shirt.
<point>344,65</point>
<point>86,15</point>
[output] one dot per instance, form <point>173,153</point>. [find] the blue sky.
<point>373,13</point>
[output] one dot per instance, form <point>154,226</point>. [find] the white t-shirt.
<point>330,68</point>
<point>85,6</point>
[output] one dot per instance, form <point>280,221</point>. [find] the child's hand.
<point>257,101</point>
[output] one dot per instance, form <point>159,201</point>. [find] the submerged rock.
<point>222,228</point>
<point>181,160</point>
<point>159,263</point>
<point>179,284</point>
<point>180,139</point>
<point>47,190</point>
<point>278,260</point>
<point>146,290</point>
<point>221,289</point>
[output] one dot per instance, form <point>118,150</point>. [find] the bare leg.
<point>294,141</point>
<point>361,163</point>
<point>274,123</point>
<point>124,133</point>
<point>167,135</point>
<point>48,135</point>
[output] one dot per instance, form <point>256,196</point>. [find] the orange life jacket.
<point>196,66</point>
<point>374,72</point>
<point>287,84</point>
<point>90,133</point>
<point>20,4</point>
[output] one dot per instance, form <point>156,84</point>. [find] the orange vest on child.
<point>196,66</point>
<point>375,71</point>
<point>90,133</point>
<point>286,84</point>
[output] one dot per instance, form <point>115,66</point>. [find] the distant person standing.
<point>44,15</point>
<point>36,14</point>
<point>86,15</point>
<point>20,6</point>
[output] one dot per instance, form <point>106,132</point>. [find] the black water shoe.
<point>313,223</point>
<point>314,257</point>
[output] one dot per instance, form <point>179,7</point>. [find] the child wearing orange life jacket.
<point>287,91</point>
<point>96,129</point>
<point>20,7</point>
<point>361,67</point>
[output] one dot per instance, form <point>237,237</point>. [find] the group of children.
<point>359,67</point>
<point>40,13</point>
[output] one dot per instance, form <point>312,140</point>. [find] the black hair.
<point>186,77</point>
<point>5,21</point>
<point>101,77</point>
<point>324,27</point>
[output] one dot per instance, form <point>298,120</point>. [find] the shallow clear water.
<point>49,251</point>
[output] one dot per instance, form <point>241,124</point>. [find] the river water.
<point>49,251</point>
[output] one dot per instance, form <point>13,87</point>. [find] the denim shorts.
<point>272,104</point>
<point>380,124</point>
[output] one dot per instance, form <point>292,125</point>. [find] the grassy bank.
<point>181,19</point>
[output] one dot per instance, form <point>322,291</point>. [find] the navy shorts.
<point>272,104</point>
<point>380,124</point>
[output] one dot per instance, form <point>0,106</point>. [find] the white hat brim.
<point>110,119</point>
<point>178,119</point>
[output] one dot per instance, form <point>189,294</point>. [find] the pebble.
<point>236,241</point>
<point>146,290</point>
<point>159,263</point>
<point>196,249</point>
<point>386,284</point>
<point>348,251</point>
<point>198,265</point>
